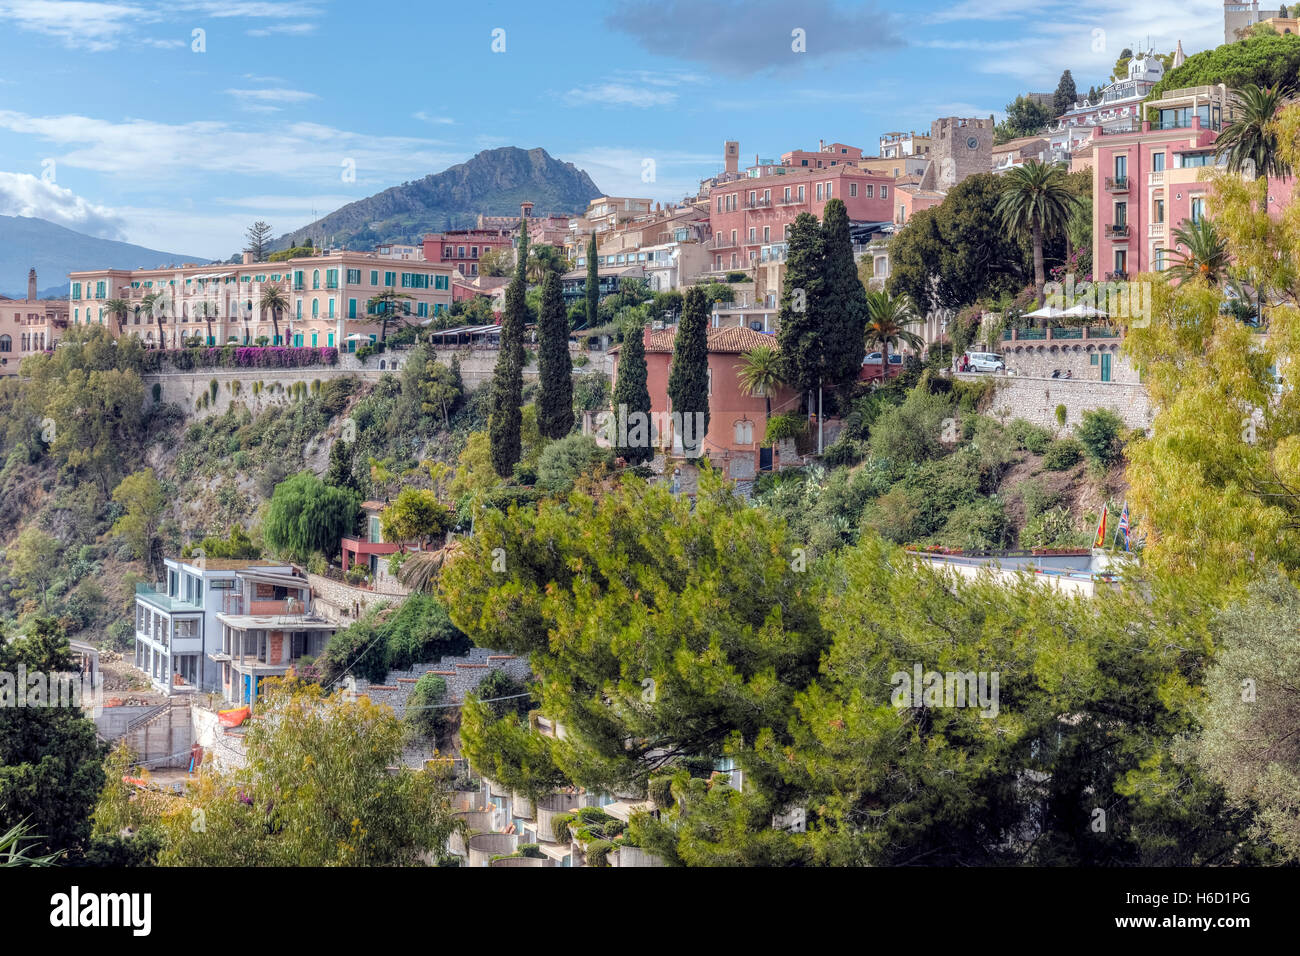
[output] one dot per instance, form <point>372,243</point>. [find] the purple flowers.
<point>241,356</point>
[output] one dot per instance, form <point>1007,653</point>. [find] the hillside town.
<point>907,497</point>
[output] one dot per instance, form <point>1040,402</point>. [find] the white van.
<point>986,362</point>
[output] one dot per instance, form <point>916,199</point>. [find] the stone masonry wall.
<point>1035,399</point>
<point>462,675</point>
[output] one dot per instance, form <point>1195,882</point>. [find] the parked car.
<point>986,362</point>
<point>873,358</point>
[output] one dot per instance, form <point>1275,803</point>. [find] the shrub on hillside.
<point>977,526</point>
<point>1028,436</point>
<point>1063,454</point>
<point>1099,432</point>
<point>1053,528</point>
<point>562,461</point>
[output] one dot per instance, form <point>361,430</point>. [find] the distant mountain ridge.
<point>494,183</point>
<point>53,250</point>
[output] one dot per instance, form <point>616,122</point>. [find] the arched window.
<point>315,308</point>
<point>315,279</point>
<point>744,433</point>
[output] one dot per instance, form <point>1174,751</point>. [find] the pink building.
<point>1147,182</point>
<point>463,248</point>
<point>750,215</point>
<point>28,326</point>
<point>737,420</point>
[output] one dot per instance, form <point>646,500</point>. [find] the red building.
<point>737,420</point>
<point>463,248</point>
<point>748,214</point>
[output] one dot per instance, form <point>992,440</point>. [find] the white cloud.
<point>141,151</point>
<point>1087,40</point>
<point>424,117</point>
<point>619,171</point>
<point>272,95</point>
<point>80,24</point>
<point>289,29</point>
<point>22,194</point>
<point>619,95</point>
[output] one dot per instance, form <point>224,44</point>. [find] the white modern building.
<point>176,623</point>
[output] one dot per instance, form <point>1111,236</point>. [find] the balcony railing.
<point>790,202</point>
<point>1057,332</point>
<point>1156,230</point>
<point>722,242</point>
<point>1117,231</point>
<point>757,203</point>
<point>1116,184</point>
<point>1156,178</point>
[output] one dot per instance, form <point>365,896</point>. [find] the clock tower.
<point>960,147</point>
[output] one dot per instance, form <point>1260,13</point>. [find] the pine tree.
<point>688,380</point>
<point>843,306</point>
<point>340,473</point>
<point>631,395</point>
<point>259,234</point>
<point>555,368</point>
<point>508,384</point>
<point>1066,94</point>
<point>593,284</point>
<point>800,336</point>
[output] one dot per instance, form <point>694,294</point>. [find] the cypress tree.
<point>555,368</point>
<point>630,396</point>
<point>593,284</point>
<point>688,380</point>
<point>800,336</point>
<point>508,385</point>
<point>521,267</point>
<point>843,307</point>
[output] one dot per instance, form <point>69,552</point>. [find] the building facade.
<point>177,631</point>
<point>463,248</point>
<point>328,300</point>
<point>1239,15</point>
<point>1147,181</point>
<point>960,147</point>
<point>272,626</point>
<point>29,326</point>
<point>737,419</point>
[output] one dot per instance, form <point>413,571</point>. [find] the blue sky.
<point>114,122</point>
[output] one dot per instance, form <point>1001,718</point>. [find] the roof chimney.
<point>248,258</point>
<point>31,285</point>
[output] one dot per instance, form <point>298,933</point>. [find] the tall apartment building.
<point>328,300</point>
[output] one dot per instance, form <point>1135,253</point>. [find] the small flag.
<point>1100,540</point>
<point>1123,526</point>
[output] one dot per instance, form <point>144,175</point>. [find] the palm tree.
<point>384,304</point>
<point>1250,141</point>
<point>760,373</point>
<point>118,309</point>
<point>888,318</point>
<point>1199,253</point>
<point>274,300</point>
<point>420,568</point>
<point>208,310</point>
<point>155,304</point>
<point>544,258</point>
<point>1036,201</point>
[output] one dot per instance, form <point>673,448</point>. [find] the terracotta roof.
<point>733,339</point>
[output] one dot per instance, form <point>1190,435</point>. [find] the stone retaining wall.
<point>1035,399</point>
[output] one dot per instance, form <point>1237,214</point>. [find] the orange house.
<point>737,420</point>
